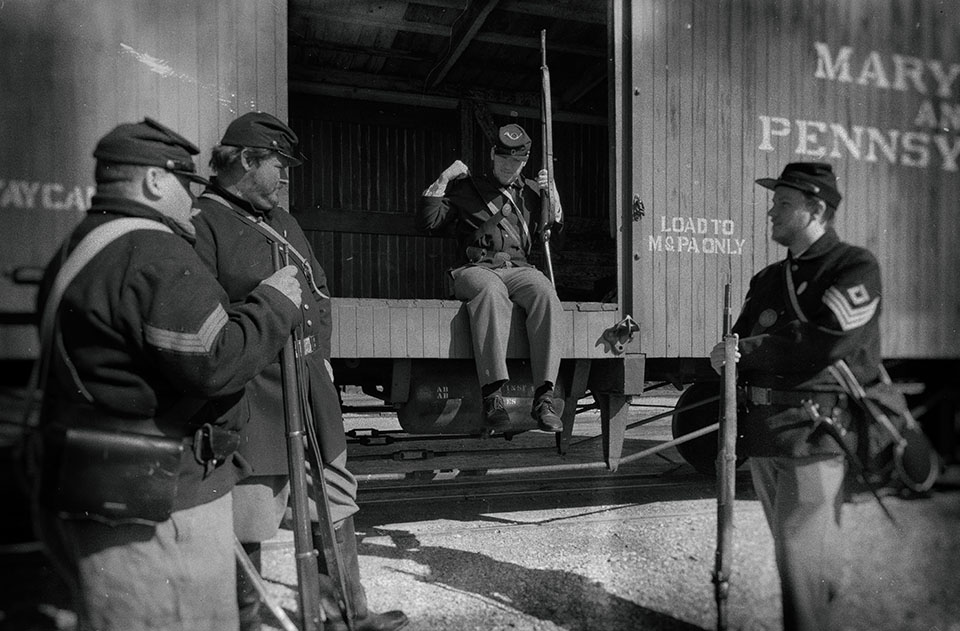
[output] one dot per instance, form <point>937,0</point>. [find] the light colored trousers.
<point>490,295</point>
<point>259,502</point>
<point>178,575</point>
<point>802,500</point>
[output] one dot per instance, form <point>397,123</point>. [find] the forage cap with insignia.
<point>259,130</point>
<point>151,144</point>
<point>513,141</point>
<point>816,178</point>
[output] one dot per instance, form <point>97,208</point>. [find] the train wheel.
<point>700,452</point>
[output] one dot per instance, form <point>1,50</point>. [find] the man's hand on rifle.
<point>285,281</point>
<point>718,355</point>
<point>543,181</point>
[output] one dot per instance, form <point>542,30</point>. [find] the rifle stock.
<point>308,575</point>
<point>546,135</point>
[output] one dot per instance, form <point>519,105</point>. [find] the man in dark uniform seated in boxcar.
<point>819,305</point>
<point>143,336</point>
<point>496,217</point>
<point>240,219</point>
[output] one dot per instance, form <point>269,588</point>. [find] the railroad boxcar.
<point>664,114</point>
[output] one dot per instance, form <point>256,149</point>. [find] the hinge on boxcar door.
<point>621,333</point>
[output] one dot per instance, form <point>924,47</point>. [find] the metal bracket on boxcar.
<point>621,333</point>
<point>370,437</point>
<point>24,274</point>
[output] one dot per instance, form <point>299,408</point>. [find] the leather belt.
<point>794,398</point>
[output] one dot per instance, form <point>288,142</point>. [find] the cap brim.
<point>193,177</point>
<point>506,153</point>
<point>292,160</point>
<point>769,182</point>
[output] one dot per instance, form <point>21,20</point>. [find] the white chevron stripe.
<point>849,317</point>
<point>197,343</point>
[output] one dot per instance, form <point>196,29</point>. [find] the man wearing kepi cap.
<point>496,216</point>
<point>819,305</point>
<point>239,221</point>
<point>142,352</point>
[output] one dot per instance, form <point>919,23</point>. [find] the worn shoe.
<point>495,414</point>
<point>547,418</point>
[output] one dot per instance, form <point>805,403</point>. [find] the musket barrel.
<point>308,574</point>
<point>546,133</point>
<point>726,468</point>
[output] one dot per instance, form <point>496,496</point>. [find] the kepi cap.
<point>816,178</point>
<point>513,141</point>
<point>152,144</point>
<point>259,130</point>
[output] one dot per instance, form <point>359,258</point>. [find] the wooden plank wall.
<point>356,195</point>
<point>708,76</point>
<point>73,70</point>
<point>368,164</point>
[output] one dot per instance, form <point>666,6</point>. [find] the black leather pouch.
<point>117,477</point>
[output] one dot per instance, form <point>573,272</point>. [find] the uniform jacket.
<point>151,335</point>
<point>465,206</point>
<point>240,257</point>
<point>838,290</point>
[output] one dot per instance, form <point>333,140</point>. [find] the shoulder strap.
<point>91,245</point>
<point>792,292</point>
<point>274,236</point>
<point>497,217</point>
<point>97,239</point>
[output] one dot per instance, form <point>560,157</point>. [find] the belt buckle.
<point>760,396</point>
<point>306,346</point>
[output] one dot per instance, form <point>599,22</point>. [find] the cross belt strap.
<point>497,216</point>
<point>274,236</point>
<point>91,245</point>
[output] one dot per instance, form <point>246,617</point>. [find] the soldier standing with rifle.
<point>239,224</point>
<point>141,353</point>
<point>819,305</point>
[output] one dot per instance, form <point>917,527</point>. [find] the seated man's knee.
<point>476,282</point>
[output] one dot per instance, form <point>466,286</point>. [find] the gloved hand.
<point>455,171</point>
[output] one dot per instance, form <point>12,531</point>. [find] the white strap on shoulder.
<point>89,246</point>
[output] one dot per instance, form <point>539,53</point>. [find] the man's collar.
<point>131,208</point>
<point>234,199</point>
<point>819,247</point>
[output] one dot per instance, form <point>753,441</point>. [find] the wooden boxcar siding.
<point>73,70</point>
<point>706,73</point>
<point>365,328</point>
<point>368,164</point>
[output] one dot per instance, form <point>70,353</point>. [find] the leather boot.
<point>364,620</point>
<point>248,600</point>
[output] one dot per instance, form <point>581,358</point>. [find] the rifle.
<point>546,134</point>
<point>292,375</point>
<point>726,467</point>
<point>247,565</point>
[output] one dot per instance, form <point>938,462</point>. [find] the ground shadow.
<point>566,599</point>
